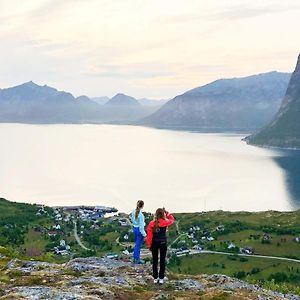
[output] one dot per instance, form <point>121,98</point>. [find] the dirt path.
<point>78,238</point>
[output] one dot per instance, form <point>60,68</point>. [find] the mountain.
<point>101,100</point>
<point>122,100</point>
<point>33,103</point>
<point>233,104</point>
<point>142,101</point>
<point>284,130</point>
<point>150,102</point>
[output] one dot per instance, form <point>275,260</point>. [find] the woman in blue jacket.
<point>138,222</point>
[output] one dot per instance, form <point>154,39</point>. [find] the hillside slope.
<point>284,129</point>
<point>228,104</point>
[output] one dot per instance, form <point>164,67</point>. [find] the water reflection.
<point>289,162</point>
<point>115,165</point>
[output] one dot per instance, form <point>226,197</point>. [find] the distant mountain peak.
<point>123,100</point>
<point>121,95</point>
<point>30,84</point>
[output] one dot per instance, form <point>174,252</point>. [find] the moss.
<point>221,296</point>
<point>139,288</point>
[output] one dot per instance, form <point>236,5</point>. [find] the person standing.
<point>138,222</point>
<point>157,242</point>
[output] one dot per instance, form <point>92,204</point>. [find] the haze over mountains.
<point>226,104</point>
<point>284,129</point>
<point>32,103</point>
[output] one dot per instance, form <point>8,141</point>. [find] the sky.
<point>145,48</point>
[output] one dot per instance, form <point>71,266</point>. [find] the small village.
<point>248,246</point>
<point>84,221</point>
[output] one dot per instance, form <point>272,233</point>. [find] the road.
<point>247,255</point>
<point>77,238</point>
<point>181,235</point>
<point>193,252</point>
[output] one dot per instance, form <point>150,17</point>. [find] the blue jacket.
<point>138,222</point>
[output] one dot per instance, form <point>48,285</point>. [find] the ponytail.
<point>159,214</point>
<point>139,206</point>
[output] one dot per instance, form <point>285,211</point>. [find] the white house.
<point>231,246</point>
<point>220,228</point>
<point>123,222</point>
<point>57,226</point>
<point>197,247</point>
<point>191,236</point>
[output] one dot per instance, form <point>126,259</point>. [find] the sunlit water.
<point>117,165</point>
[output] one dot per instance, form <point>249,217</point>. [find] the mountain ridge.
<point>233,104</point>
<point>37,104</point>
<point>283,131</point>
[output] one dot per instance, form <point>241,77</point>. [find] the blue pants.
<point>139,239</point>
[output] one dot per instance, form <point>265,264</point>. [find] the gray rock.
<point>93,263</point>
<point>46,293</point>
<point>188,284</point>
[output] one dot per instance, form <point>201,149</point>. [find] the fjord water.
<point>117,165</point>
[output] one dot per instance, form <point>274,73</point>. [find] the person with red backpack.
<point>157,241</point>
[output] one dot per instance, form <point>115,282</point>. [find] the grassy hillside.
<point>243,229</point>
<point>247,229</point>
<point>14,221</point>
<point>24,233</point>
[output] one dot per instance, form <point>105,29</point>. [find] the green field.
<point>251,269</point>
<point>244,229</point>
<point>247,229</point>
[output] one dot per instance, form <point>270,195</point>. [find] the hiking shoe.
<point>155,280</point>
<point>139,262</point>
<point>160,281</point>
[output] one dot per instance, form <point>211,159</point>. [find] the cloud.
<point>232,12</point>
<point>143,47</point>
<point>131,71</point>
<point>244,11</point>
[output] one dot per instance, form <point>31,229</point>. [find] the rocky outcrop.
<point>284,130</point>
<point>101,278</point>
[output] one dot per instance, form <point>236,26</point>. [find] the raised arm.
<point>169,220</point>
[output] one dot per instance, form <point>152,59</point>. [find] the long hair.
<point>139,206</point>
<point>159,214</point>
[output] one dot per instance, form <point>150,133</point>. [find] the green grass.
<point>214,218</point>
<point>35,240</point>
<point>283,227</point>
<point>221,264</point>
<point>282,245</point>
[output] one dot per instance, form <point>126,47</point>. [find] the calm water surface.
<point>116,165</point>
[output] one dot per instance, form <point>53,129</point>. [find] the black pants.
<point>160,247</point>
